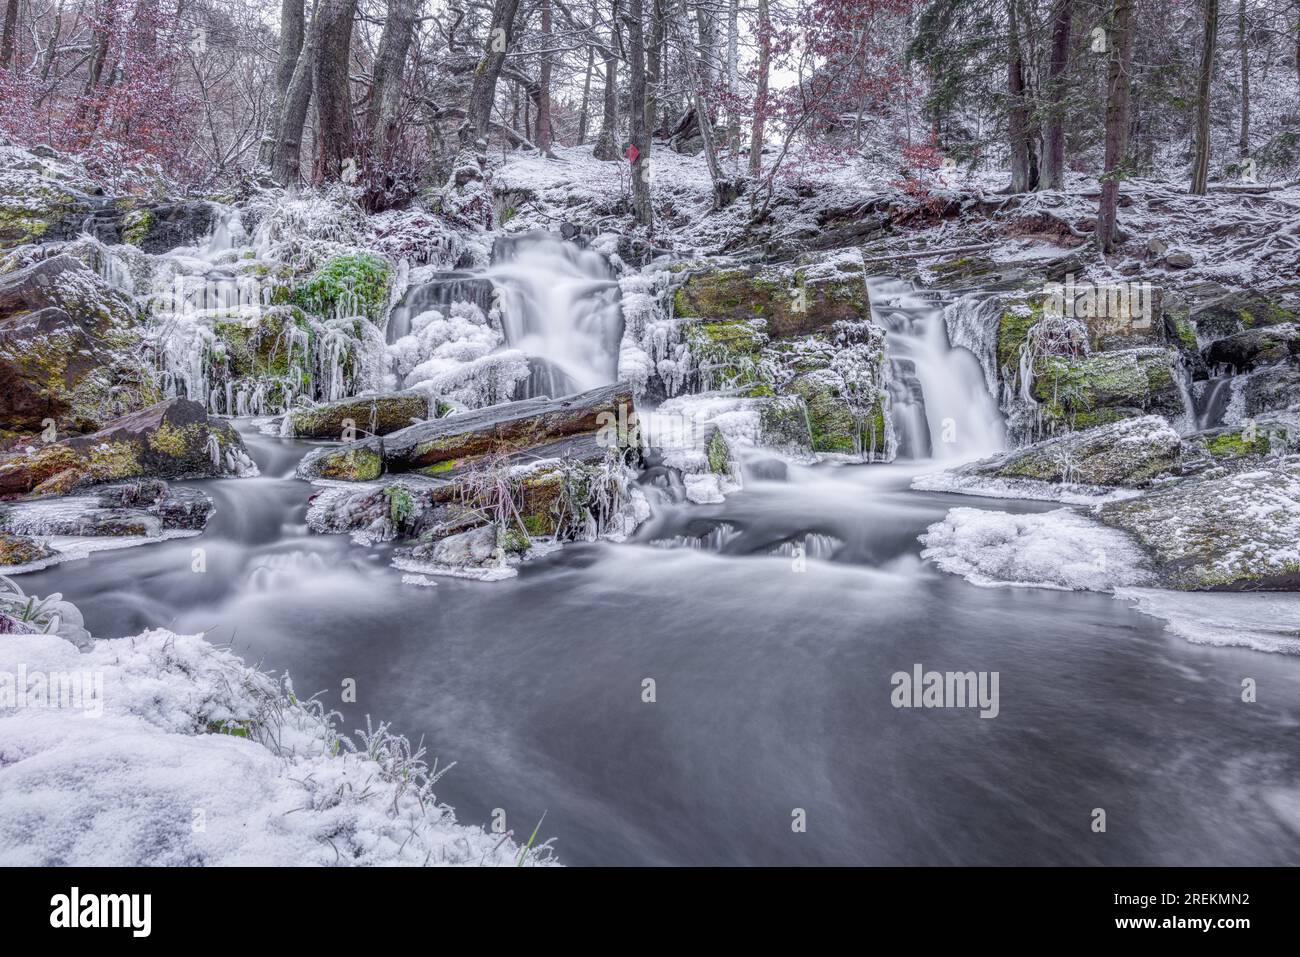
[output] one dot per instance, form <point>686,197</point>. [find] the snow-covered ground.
<point>162,749</point>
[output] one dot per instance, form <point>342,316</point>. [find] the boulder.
<point>1129,453</point>
<point>1272,388</point>
<point>173,439</point>
<point>796,302</point>
<point>22,550</point>
<point>1083,391</point>
<point>39,200</point>
<point>69,350</point>
<point>1236,532</point>
<point>374,415</point>
<point>1245,350</point>
<point>161,228</point>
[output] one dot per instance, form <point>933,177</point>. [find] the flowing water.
<point>771,625</point>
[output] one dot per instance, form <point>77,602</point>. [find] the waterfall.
<point>559,305</point>
<point>943,407</point>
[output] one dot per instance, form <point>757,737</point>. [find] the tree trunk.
<point>286,159</point>
<point>733,84</point>
<point>638,131</point>
<point>1053,173</point>
<point>384,113</point>
<point>8,40</point>
<point>760,95</point>
<point>1117,83</point>
<point>585,111</point>
<point>1201,158</point>
<point>335,136</point>
<point>293,24</point>
<point>1023,174</point>
<point>655,66</point>
<point>483,93</point>
<point>1243,141</point>
<point>607,142</point>
<point>543,137</point>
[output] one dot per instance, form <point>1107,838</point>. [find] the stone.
<point>1245,350</point>
<point>374,415</point>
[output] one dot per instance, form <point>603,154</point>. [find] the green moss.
<point>358,464</point>
<point>401,504</point>
<point>1186,334</point>
<point>1013,330</point>
<point>352,284</point>
<point>136,225</point>
<point>170,441</point>
<point>719,454</point>
<point>114,460</point>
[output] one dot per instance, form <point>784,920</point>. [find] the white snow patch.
<point>1264,621</point>
<point>1059,549</point>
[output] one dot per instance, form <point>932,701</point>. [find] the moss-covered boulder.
<point>1216,312</point>
<point>18,550</point>
<point>784,424</point>
<point>39,200</point>
<point>1235,532</point>
<point>353,284</point>
<point>267,354</point>
<point>359,416</point>
<point>794,302</point>
<point>727,354</point>
<point>1103,387</point>
<point>1129,454</point>
<point>163,227</point>
<point>174,439</point>
<point>1271,389</point>
<point>70,350</point>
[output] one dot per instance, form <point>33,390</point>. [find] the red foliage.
<point>134,118</point>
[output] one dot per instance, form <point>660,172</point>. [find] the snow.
<point>1059,549</point>
<point>148,782</point>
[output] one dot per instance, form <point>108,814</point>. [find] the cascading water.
<point>560,306</point>
<point>941,404</point>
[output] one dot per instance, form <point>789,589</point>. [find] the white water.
<point>942,407</point>
<point>559,305</point>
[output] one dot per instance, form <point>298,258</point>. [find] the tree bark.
<point>1023,174</point>
<point>733,84</point>
<point>639,132</point>
<point>1117,109</point>
<point>606,147</point>
<point>384,112</point>
<point>585,111</point>
<point>1243,44</point>
<point>760,95</point>
<point>293,25</point>
<point>484,91</point>
<point>335,136</point>
<point>1053,172</point>
<point>7,41</point>
<point>1201,158</point>
<point>543,137</point>
<point>286,160</point>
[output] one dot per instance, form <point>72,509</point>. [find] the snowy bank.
<point>163,750</point>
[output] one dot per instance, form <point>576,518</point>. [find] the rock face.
<point>172,439</point>
<point>1128,454</point>
<point>162,228</point>
<point>440,445</point>
<point>376,415</point>
<point>1239,532</point>
<point>40,200</point>
<point>1273,389</point>
<point>807,299</point>
<point>1245,350</point>
<point>69,350</point>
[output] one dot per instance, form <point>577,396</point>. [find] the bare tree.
<point>1243,45</point>
<point>1053,171</point>
<point>335,136</point>
<point>383,113</point>
<point>293,25</point>
<point>606,147</point>
<point>638,131</point>
<point>543,136</point>
<point>1024,173</point>
<point>1201,157</point>
<point>286,162</point>
<point>483,93</point>
<point>1117,110</point>
<point>760,95</point>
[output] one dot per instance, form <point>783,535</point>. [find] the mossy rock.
<point>20,550</point>
<point>792,304</point>
<point>354,284</point>
<point>361,461</point>
<point>363,415</point>
<point>1107,386</point>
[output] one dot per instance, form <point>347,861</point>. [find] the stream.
<point>771,624</point>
